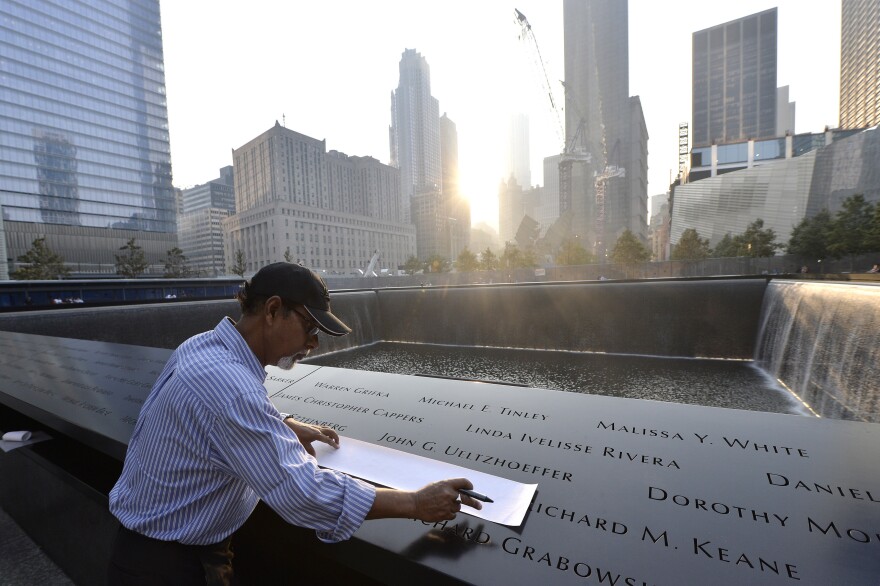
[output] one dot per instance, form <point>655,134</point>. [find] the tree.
<point>488,260</point>
<point>132,262</point>
<point>757,241</point>
<point>873,243</point>
<point>175,265</point>
<point>43,264</point>
<point>239,266</point>
<point>629,251</point>
<point>511,258</point>
<point>413,265</point>
<point>691,247</point>
<point>437,264</point>
<point>851,229</point>
<point>528,259</point>
<point>467,261</point>
<point>809,239</point>
<point>726,247</point>
<point>287,256</point>
<point>571,253</point>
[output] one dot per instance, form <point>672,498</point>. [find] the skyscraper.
<point>415,130</point>
<point>734,80</point>
<point>518,164</point>
<point>84,150</point>
<point>200,223</point>
<point>457,207</point>
<point>859,63</point>
<point>605,133</point>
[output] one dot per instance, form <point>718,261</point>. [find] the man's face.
<point>297,335</point>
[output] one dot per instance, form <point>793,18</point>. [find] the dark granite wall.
<point>707,318</point>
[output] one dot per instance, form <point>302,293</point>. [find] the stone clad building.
<point>329,211</point>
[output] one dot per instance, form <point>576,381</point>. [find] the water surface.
<point>714,383</point>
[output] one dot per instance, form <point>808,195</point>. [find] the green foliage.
<point>726,248</point>
<point>853,227</point>
<point>437,264</point>
<point>511,258</point>
<point>239,266</point>
<point>757,241</point>
<point>691,247</point>
<point>571,253</point>
<point>43,264</point>
<point>488,260</point>
<point>629,251</point>
<point>809,239</point>
<point>132,262</point>
<point>175,265</point>
<point>528,259</point>
<point>413,265</point>
<point>874,234</point>
<point>467,261</point>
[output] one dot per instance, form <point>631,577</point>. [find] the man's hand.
<point>438,501</point>
<point>312,433</point>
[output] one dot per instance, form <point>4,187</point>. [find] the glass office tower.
<point>734,80</point>
<point>83,123</point>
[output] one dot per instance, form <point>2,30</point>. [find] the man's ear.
<point>272,309</point>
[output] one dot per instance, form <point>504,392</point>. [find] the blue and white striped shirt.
<point>209,444</point>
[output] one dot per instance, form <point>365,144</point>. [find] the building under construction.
<point>604,171</point>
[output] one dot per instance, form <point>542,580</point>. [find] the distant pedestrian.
<point>875,268</point>
<point>805,269</point>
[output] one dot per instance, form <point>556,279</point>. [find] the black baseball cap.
<point>298,285</point>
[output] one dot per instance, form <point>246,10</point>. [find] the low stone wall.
<point>715,318</point>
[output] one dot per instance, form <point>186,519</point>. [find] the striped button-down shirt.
<point>209,444</point>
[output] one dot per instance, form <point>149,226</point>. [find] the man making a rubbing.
<point>209,444</point>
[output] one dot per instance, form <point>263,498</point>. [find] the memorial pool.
<point>714,383</point>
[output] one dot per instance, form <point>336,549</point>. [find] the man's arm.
<point>438,501</point>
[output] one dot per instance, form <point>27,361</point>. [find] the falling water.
<point>822,341</point>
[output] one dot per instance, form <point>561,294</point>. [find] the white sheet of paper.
<point>393,468</point>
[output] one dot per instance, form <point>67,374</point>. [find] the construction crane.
<point>574,149</point>
<point>528,36</point>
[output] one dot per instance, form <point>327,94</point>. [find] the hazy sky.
<point>327,68</point>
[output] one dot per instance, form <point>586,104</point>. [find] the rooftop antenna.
<point>284,120</point>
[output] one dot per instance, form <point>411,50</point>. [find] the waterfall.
<point>822,341</point>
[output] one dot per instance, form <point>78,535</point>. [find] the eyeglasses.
<point>310,324</point>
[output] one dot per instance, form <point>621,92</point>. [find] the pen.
<point>475,495</point>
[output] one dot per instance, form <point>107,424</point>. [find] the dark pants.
<point>142,561</point>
